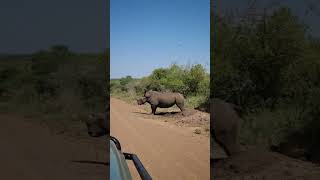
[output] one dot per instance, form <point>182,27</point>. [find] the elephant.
<point>162,99</point>
<point>225,124</point>
<point>98,123</point>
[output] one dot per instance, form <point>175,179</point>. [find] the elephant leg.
<point>154,108</point>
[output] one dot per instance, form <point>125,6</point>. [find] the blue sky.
<point>30,25</point>
<point>148,34</point>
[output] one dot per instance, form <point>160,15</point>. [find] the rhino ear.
<point>145,91</point>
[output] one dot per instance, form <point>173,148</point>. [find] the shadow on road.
<point>159,113</point>
<point>142,113</point>
<point>92,162</point>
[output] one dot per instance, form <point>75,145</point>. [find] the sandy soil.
<point>194,119</point>
<point>168,151</point>
<point>255,164</point>
<point>30,151</point>
<point>166,144</point>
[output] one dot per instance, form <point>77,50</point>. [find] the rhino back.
<point>223,115</point>
<point>179,98</point>
<point>166,100</point>
<point>225,124</point>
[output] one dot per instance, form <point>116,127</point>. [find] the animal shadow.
<point>142,113</point>
<point>167,113</point>
<point>160,113</point>
<point>91,162</point>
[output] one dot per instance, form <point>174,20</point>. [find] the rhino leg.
<point>181,106</point>
<point>228,140</point>
<point>153,108</point>
<point>180,102</point>
<point>221,143</point>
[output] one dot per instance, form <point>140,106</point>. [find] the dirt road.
<point>168,152</point>
<point>256,163</point>
<point>30,151</point>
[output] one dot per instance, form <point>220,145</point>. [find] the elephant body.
<point>162,99</point>
<point>225,123</point>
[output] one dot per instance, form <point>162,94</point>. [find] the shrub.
<point>192,81</point>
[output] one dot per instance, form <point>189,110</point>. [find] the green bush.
<point>192,81</point>
<point>54,84</point>
<point>271,69</point>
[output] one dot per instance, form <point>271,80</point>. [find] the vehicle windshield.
<point>118,166</point>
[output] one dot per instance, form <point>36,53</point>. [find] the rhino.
<point>162,99</point>
<point>98,123</point>
<point>225,123</point>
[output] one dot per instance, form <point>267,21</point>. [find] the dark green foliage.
<point>124,82</point>
<point>60,50</point>
<point>271,69</point>
<point>192,81</point>
<point>54,83</point>
<point>194,77</point>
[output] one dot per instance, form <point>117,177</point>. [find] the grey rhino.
<point>225,123</point>
<point>162,99</point>
<point>98,123</point>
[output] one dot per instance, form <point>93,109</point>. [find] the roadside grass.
<point>59,91</point>
<point>195,101</point>
<point>125,96</point>
<point>265,127</point>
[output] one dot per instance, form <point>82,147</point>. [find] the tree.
<point>194,77</point>
<point>60,50</point>
<point>124,82</point>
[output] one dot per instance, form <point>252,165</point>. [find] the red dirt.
<point>169,152</point>
<point>260,164</point>
<point>31,151</point>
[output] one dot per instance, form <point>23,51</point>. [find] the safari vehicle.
<point>119,168</point>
